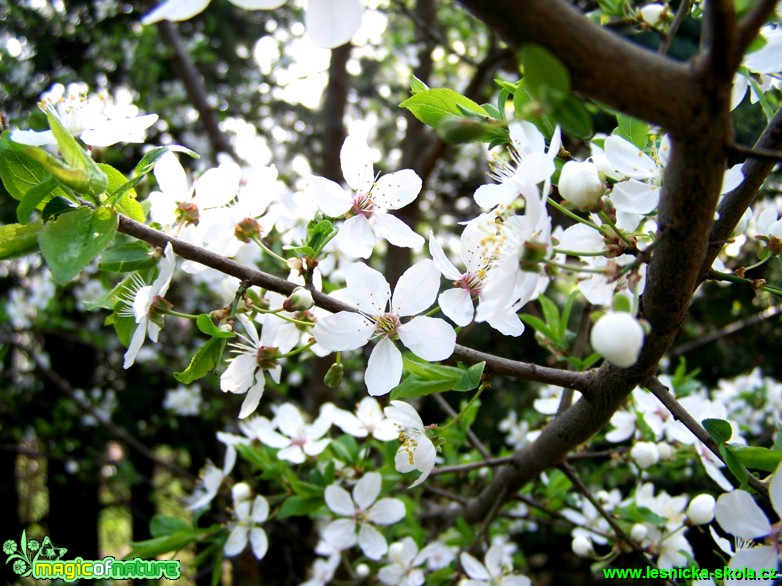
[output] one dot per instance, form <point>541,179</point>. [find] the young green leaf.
<point>434,105</point>
<point>131,256</point>
<point>207,326</point>
<point>634,130</point>
<point>18,239</point>
<point>546,78</point>
<point>34,198</point>
<point>205,360</point>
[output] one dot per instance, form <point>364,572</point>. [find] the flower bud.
<point>241,491</point>
<point>582,546</point>
<point>580,184</point>
<point>666,451</point>
<point>645,454</point>
<point>299,300</point>
<point>619,337</point>
<point>334,375</point>
<point>701,509</point>
<point>638,532</point>
<point>362,570</point>
<point>247,230</point>
<point>652,14</point>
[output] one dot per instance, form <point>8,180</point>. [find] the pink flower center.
<point>387,324</point>
<point>363,204</point>
<point>470,282</point>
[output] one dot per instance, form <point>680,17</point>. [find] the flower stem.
<point>466,407</point>
<point>270,252</point>
<point>573,216</point>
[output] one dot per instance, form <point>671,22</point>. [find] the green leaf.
<point>18,239</point>
<point>121,193</point>
<point>778,440</point>
<point>426,378</point>
<point>299,506</point>
<point>563,322</point>
<point>574,118</point>
<point>527,108</point>
<point>538,325</point>
<point>147,163</point>
<point>33,198</point>
<point>56,206</point>
<point>207,326</point>
<point>345,448</point>
<point>131,256</point>
<point>737,468</point>
<point>19,172</point>
<point>416,386</point>
<point>205,360</point>
<point>718,429</point>
<point>151,548</point>
<point>551,313</point>
<point>417,86</point>
<point>634,130</point>
<point>432,106</point>
<point>71,241</point>
<point>546,78</point>
<point>77,159</point>
<point>164,525</point>
<point>755,457</point>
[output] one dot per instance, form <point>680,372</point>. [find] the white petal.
<point>457,304</point>
<point>341,533</point>
<point>33,137</point>
<point>442,262</point>
<point>355,156</point>
<point>386,511</point>
<point>254,394</point>
<point>526,138</point>
<point>292,453</point>
<point>259,542</point>
<point>738,514</point>
<point>767,59</point>
<point>424,457</point>
<point>473,567</point>
<point>240,374</point>
<point>123,130</point>
<point>431,338</point>
<point>171,177</point>
<point>367,288</point>
<point>396,190</point>
<point>395,231</point>
<point>237,541</point>
<point>732,178</point>
<point>506,322</point>
<point>488,196</point>
<point>404,415</point>
<point>757,558</point>
<point>332,23</point>
<point>356,237</point>
<point>416,289</point>
<point>345,330</point>
<point>260,509</point>
<point>372,542</point>
<point>271,438</point>
<point>289,420</point>
<point>258,4</point>
<point>330,198</point>
<point>535,168</point>
<point>581,238</point>
<point>635,197</point>
<point>629,160</point>
<point>339,501</point>
<point>367,490</point>
<point>139,335</point>
<point>384,369</point>
<point>175,10</point>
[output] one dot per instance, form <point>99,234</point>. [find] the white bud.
<point>580,184</point>
<point>362,570</point>
<point>241,491</point>
<point>638,532</point>
<point>652,14</point>
<point>665,449</point>
<point>645,454</point>
<point>299,300</point>
<point>701,509</point>
<point>582,546</point>
<point>619,338</point>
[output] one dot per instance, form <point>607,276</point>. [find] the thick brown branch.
<point>735,203</point>
<point>630,79</point>
<point>719,38</point>
<point>194,85</point>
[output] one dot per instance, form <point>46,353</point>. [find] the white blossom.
<point>417,451</point>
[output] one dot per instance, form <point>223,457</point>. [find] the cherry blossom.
<point>493,571</point>
<point>143,307</point>
<point>246,528</point>
<point>296,439</point>
<point>430,338</point>
<point>363,512</point>
<point>252,356</point>
<point>403,570</point>
<point>367,202</point>
<point>417,451</point>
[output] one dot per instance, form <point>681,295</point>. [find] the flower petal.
<point>240,374</point>
<point>254,394</point>
<point>416,289</point>
<point>367,490</point>
<point>629,160</point>
<point>396,190</point>
<point>332,23</point>
<point>372,542</point>
<point>175,10</point>
<point>367,288</point>
<point>341,533</point>
<point>355,156</point>
<point>431,338</point>
<point>332,200</point>
<point>237,541</point>
<point>386,511</point>
<point>259,542</point>
<point>395,231</point>
<point>457,304</point>
<point>635,197</point>
<point>356,238</point>
<point>384,368</point>
<point>343,331</point>
<point>473,567</point>
<point>441,261</point>
<point>258,4</point>
<point>737,513</point>
<point>339,500</point>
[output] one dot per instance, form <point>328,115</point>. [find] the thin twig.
<point>659,390</point>
<point>474,439</point>
<point>457,468</point>
<point>755,153</point>
<point>681,14</point>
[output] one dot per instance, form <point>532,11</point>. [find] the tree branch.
<point>681,14</point>
<point>632,80</point>
<point>719,38</point>
<point>194,85</point>
<point>751,24</point>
